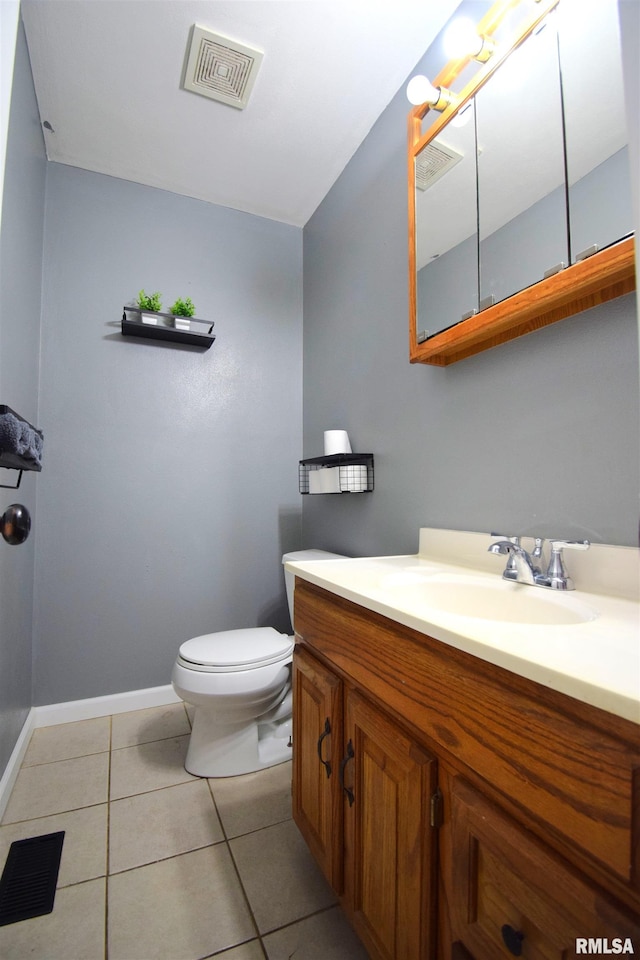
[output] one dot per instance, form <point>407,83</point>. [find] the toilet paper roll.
<point>353,479</point>
<point>325,480</point>
<point>315,481</point>
<point>336,441</point>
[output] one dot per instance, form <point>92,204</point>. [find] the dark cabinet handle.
<point>459,951</point>
<point>325,763</point>
<point>512,940</point>
<point>348,756</point>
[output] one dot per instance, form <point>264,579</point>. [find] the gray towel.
<point>19,437</point>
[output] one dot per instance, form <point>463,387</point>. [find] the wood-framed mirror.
<point>464,295</point>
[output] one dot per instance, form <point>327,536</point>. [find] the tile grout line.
<point>235,866</point>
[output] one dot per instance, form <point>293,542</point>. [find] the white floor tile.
<point>325,936</point>
<point>254,800</point>
<point>187,907</point>
<point>68,740</point>
<point>281,878</point>
<point>176,820</point>
<point>148,766</point>
<point>55,787</point>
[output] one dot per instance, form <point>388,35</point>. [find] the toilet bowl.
<point>239,682</point>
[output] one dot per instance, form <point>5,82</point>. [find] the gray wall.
<point>20,276</point>
<point>169,488</point>
<point>538,436</point>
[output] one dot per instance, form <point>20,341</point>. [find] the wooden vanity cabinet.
<point>361,798</point>
<point>469,814</point>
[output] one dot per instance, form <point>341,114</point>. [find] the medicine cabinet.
<point>519,189</point>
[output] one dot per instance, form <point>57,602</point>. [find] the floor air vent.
<point>28,882</point>
<point>433,162</point>
<point>220,68</point>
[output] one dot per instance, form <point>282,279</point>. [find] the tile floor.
<point>159,864</point>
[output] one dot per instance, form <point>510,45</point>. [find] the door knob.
<point>15,523</point>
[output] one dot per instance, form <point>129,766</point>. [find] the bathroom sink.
<point>485,599</point>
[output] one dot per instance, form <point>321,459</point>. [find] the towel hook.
<point>15,523</point>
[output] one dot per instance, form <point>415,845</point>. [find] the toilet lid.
<point>237,649</point>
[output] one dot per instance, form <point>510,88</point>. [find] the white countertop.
<point>596,661</point>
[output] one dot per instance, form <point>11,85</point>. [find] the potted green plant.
<point>182,310</point>
<point>150,305</point>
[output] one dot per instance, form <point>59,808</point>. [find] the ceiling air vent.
<point>220,68</point>
<point>433,162</point>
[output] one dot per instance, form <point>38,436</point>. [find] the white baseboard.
<point>15,761</point>
<point>56,713</point>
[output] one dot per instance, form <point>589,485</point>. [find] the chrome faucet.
<point>520,562</point>
<point>521,566</point>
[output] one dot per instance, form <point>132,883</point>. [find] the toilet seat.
<point>233,650</point>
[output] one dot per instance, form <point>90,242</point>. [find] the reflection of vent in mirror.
<point>433,162</point>
<point>221,68</point>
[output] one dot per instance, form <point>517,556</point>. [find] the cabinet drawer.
<point>512,897</point>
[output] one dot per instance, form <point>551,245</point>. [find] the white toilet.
<point>239,682</point>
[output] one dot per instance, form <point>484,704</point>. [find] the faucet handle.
<point>556,574</point>
<point>558,545</point>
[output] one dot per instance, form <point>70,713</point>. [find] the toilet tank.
<point>303,556</point>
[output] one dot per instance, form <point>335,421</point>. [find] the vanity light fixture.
<point>420,90</point>
<point>462,40</point>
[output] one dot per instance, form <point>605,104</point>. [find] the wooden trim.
<point>602,277</point>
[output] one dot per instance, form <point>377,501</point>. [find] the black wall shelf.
<point>350,478</point>
<point>167,326</point>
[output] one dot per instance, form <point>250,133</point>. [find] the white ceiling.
<point>108,78</point>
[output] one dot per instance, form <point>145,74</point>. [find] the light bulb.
<point>461,39</point>
<point>420,90</point>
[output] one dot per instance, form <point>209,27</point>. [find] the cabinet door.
<point>513,897</point>
<point>317,743</point>
<point>388,781</point>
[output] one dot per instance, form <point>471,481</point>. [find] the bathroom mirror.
<point>447,246</point>
<point>468,291</point>
<point>597,166</point>
<point>521,177</point>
